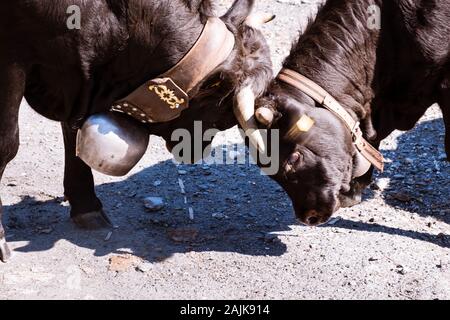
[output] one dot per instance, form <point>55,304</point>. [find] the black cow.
<point>67,74</point>
<point>385,77</point>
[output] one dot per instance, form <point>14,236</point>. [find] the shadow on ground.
<point>419,174</point>
<point>417,180</point>
<point>235,208</point>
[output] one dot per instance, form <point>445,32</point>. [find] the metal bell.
<point>112,143</point>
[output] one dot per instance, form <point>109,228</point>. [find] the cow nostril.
<point>312,221</point>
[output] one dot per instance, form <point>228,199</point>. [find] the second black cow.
<point>386,62</point>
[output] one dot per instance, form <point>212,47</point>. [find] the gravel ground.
<point>243,241</point>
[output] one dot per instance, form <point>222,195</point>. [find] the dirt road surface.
<point>243,241</point>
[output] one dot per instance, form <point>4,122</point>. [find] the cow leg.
<point>86,209</point>
<point>12,84</point>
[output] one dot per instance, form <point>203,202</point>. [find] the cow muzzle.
<point>314,218</point>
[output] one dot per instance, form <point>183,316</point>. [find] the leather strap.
<point>164,98</point>
<point>322,97</point>
<point>212,49</point>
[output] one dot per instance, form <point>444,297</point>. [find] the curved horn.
<point>264,116</point>
<point>244,110</point>
<point>257,20</point>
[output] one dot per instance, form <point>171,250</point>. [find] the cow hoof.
<point>5,253</point>
<point>92,220</point>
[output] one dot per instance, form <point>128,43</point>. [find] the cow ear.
<point>239,12</point>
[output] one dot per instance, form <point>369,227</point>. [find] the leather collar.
<point>322,97</point>
<point>164,98</point>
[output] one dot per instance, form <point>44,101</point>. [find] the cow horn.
<point>257,20</point>
<point>264,116</point>
<point>244,111</point>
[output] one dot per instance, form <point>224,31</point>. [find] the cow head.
<point>319,164</point>
<point>230,92</point>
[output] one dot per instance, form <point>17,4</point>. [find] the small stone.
<point>144,267</point>
<point>219,215</point>
<point>154,203</point>
<point>157,183</point>
<point>182,172</point>
<point>400,270</point>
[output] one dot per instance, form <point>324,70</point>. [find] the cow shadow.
<point>417,175</point>
<point>229,209</point>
